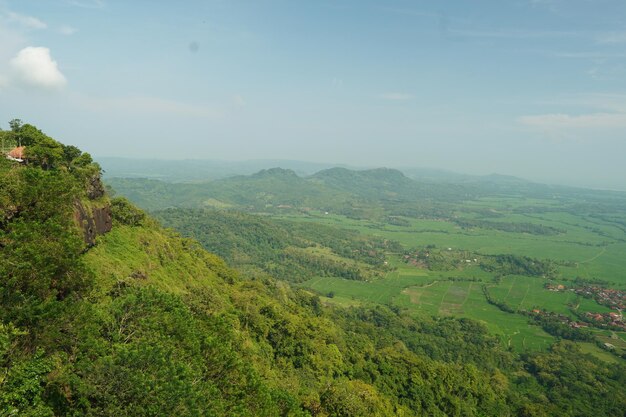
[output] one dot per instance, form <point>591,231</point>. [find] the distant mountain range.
<point>193,170</point>
<point>338,189</point>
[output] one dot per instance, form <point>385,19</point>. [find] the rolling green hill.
<point>265,190</point>
<point>291,251</point>
<point>389,184</point>
<point>365,194</point>
<point>332,189</point>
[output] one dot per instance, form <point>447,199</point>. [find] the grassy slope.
<point>155,256</point>
<point>175,265</point>
<point>465,299</point>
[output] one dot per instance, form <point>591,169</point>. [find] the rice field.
<point>588,247</point>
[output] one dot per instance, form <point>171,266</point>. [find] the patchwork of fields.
<point>592,249</point>
<point>417,292</point>
<point>586,247</point>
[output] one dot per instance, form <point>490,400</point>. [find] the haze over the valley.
<point>531,88</point>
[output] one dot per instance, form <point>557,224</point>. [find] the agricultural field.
<point>420,294</point>
<point>430,294</point>
<point>579,246</point>
<point>586,247</point>
<point>528,293</point>
<point>381,291</point>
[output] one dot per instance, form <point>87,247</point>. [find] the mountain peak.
<point>275,172</point>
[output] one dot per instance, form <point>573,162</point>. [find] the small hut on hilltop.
<point>17,154</point>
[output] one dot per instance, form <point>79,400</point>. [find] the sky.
<point>532,88</point>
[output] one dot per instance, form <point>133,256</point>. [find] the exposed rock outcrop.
<point>94,221</point>
<point>95,189</point>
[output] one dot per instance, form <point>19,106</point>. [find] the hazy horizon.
<point>528,88</point>
<point>289,164</point>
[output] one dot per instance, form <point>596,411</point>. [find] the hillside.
<point>266,189</point>
<point>135,320</point>
<point>365,194</point>
<point>336,189</point>
<point>285,250</point>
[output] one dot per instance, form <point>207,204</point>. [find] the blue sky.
<point>533,88</point>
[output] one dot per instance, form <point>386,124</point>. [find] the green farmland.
<point>586,247</point>
<point>592,248</point>
<point>421,295</point>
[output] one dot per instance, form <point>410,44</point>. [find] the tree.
<point>15,125</point>
<point>41,149</point>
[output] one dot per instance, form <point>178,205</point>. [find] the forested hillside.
<point>336,189</point>
<point>285,250</point>
<point>374,194</point>
<point>105,313</point>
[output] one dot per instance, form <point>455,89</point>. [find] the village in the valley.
<point>610,297</point>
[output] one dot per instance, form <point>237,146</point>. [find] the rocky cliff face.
<point>95,189</point>
<point>94,221</point>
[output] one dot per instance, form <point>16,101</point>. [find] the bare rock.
<point>93,223</point>
<point>95,188</point>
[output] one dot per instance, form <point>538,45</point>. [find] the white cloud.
<point>67,30</point>
<point>28,22</point>
<point>601,127</point>
<point>613,102</point>
<point>396,96</point>
<point>584,121</point>
<point>34,67</point>
<point>598,102</point>
<point>612,38</point>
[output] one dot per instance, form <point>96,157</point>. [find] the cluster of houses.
<point>602,320</point>
<point>561,318</point>
<point>607,319</point>
<point>610,297</point>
